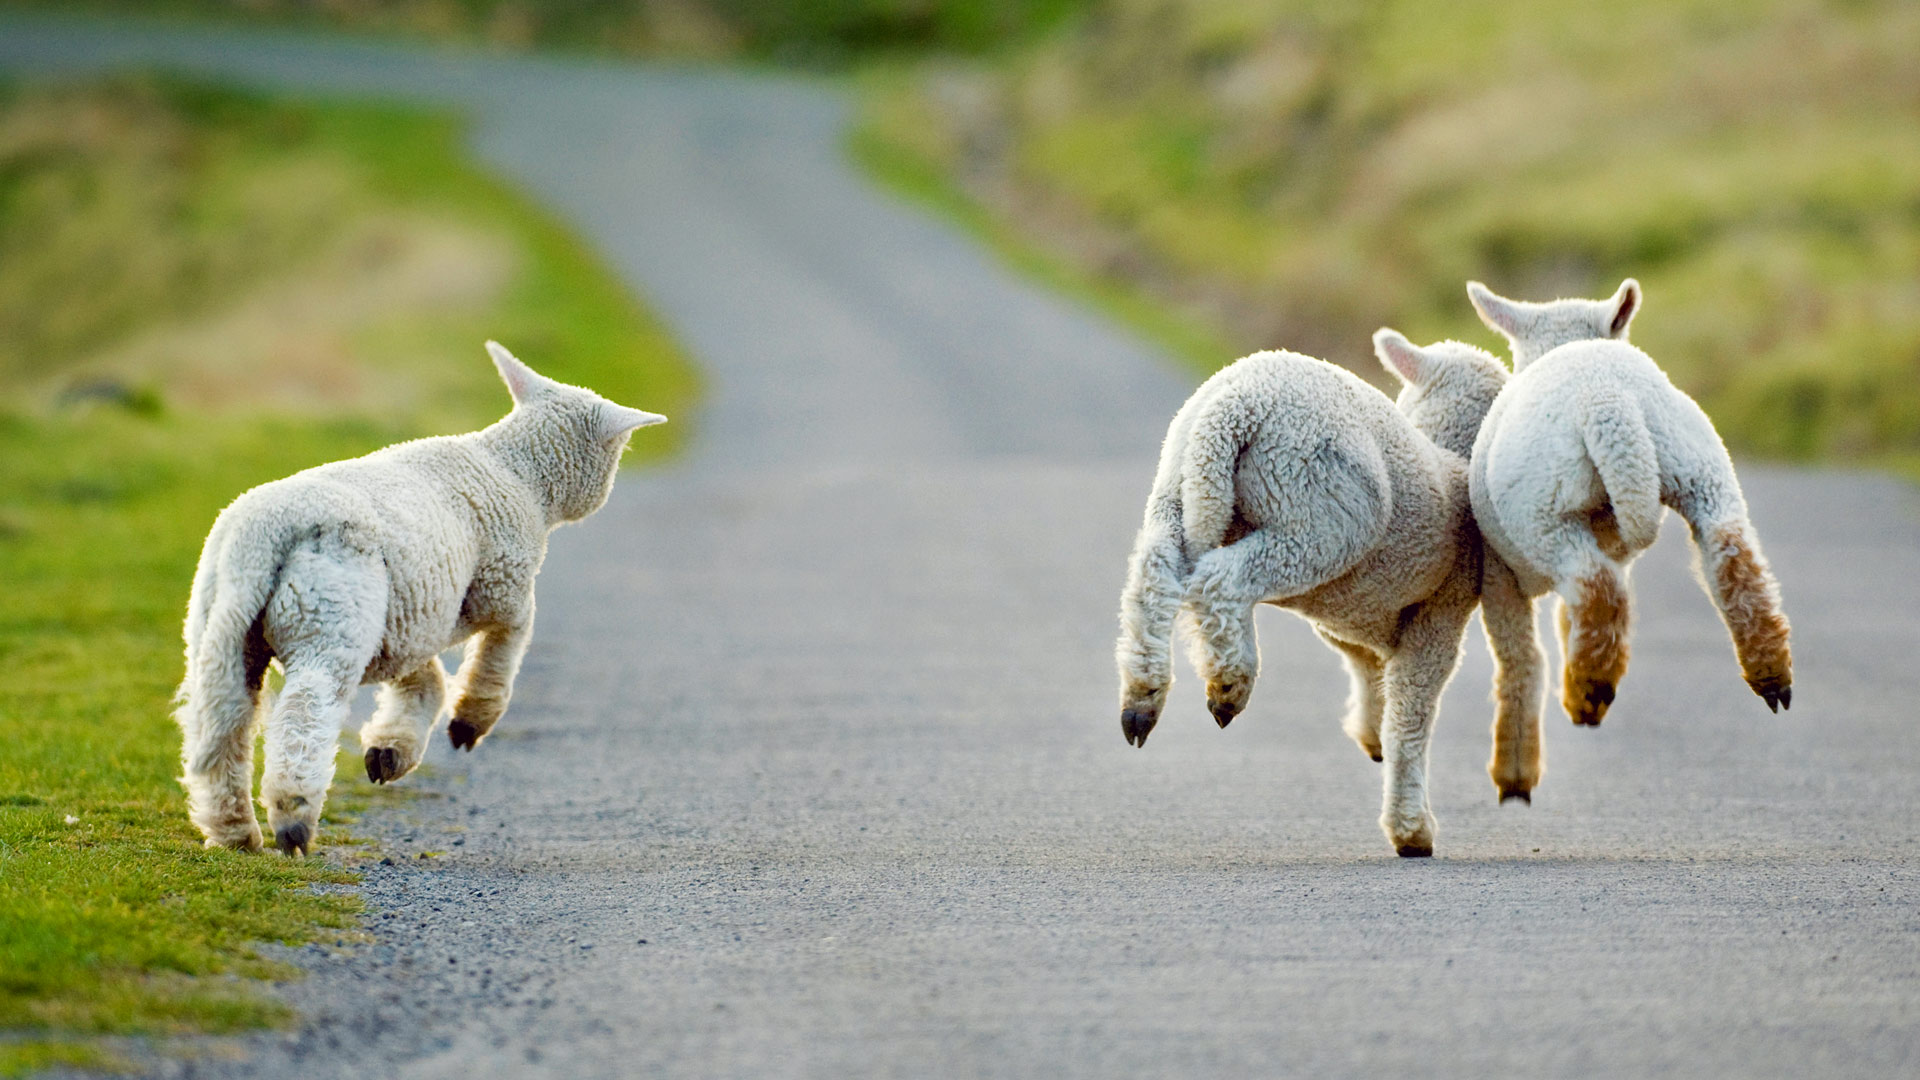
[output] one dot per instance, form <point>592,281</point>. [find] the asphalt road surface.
<point>815,768</point>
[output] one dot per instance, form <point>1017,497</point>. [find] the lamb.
<point>364,571</point>
<point>1570,475</point>
<point>1289,481</point>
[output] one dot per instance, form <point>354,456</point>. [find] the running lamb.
<point>363,571</point>
<point>1569,477</point>
<point>1289,481</point>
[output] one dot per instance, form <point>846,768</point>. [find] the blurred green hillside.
<point>828,32</point>
<point>1297,173</point>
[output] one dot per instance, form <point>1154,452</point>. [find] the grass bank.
<point>201,291</point>
<point>1295,173</point>
<point>812,33</point>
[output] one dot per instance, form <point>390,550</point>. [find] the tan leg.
<point>395,739</point>
<point>1595,642</point>
<point>1744,589</point>
<point>1366,701</point>
<point>1507,615</point>
<point>485,682</point>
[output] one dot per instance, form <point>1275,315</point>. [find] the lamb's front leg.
<point>1416,673</point>
<point>1366,702</point>
<point>485,681</point>
<point>395,740</point>
<point>1506,612</point>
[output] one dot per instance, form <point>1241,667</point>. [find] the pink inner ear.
<point>1623,313</point>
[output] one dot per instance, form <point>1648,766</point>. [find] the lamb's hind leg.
<point>1742,585</point>
<point>1594,623</point>
<point>396,738</point>
<point>326,622</point>
<point>1227,582</point>
<point>1366,701</point>
<point>1156,582</point>
<point>217,716</point>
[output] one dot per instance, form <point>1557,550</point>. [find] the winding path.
<point>815,771</point>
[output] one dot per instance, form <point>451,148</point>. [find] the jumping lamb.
<point>1570,476</point>
<point>364,571</point>
<point>1287,480</point>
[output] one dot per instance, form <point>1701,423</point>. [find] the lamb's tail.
<point>1622,450</point>
<point>1207,473</point>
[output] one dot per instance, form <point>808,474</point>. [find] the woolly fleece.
<point>364,571</point>
<point>1571,474</point>
<point>1287,480</point>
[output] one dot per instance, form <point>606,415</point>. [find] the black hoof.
<point>1414,851</point>
<point>383,764</point>
<point>1517,796</point>
<point>1135,723</point>
<point>293,839</point>
<point>1375,755</point>
<point>1778,699</point>
<point>1223,712</point>
<point>463,734</point>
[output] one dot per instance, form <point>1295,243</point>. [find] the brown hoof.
<point>463,734</point>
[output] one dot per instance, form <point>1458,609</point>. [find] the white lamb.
<point>1289,481</point>
<point>1570,474</point>
<point>364,571</point>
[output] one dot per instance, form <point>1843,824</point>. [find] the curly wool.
<point>364,571</point>
<point>1573,470</point>
<point>1289,481</point>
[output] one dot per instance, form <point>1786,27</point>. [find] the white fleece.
<point>1289,481</point>
<point>1571,473</point>
<point>364,571</point>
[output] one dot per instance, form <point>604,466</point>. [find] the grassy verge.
<point>113,919</point>
<point>813,33</point>
<point>1300,173</point>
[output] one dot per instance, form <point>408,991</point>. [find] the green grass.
<point>808,32</point>
<point>1301,172</point>
<point>113,919</point>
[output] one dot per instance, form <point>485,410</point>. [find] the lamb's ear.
<point>1498,312</point>
<point>522,381</point>
<point>618,420</point>
<point>1400,356</point>
<point>1624,305</point>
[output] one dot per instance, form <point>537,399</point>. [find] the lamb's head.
<point>1534,329</point>
<point>564,440</point>
<point>1447,386</point>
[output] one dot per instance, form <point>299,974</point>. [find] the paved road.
<point>814,769</point>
